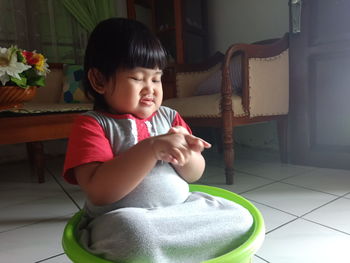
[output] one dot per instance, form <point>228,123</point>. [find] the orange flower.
<point>35,59</point>
<point>30,57</point>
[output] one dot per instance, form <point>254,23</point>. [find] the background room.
<point>304,199</point>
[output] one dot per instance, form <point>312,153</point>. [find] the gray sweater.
<point>160,221</point>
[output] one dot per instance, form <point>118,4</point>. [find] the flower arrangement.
<point>22,68</point>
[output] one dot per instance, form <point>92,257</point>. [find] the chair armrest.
<point>263,66</point>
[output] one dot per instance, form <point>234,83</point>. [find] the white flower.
<point>9,66</point>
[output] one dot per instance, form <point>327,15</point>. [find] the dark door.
<point>320,84</point>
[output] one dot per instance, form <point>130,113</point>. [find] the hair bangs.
<point>146,52</point>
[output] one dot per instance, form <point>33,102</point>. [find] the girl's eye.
<point>137,79</point>
<point>156,80</point>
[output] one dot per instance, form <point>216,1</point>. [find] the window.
<point>45,26</point>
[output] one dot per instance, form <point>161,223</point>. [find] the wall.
<point>246,21</point>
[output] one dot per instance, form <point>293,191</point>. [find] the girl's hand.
<point>195,143</point>
<point>172,148</point>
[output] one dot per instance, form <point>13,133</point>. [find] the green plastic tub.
<point>241,254</point>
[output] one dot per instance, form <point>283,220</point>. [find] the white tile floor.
<point>306,209</point>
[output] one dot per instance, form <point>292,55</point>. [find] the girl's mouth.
<point>148,101</point>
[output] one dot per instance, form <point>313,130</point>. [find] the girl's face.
<point>137,91</point>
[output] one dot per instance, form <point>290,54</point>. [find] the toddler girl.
<point>134,158</point>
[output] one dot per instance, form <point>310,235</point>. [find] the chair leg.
<point>218,139</point>
<point>228,154</point>
<point>35,152</point>
<point>282,127</point>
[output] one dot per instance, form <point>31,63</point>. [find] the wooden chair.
<point>264,97</point>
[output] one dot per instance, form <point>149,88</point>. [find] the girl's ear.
<point>97,80</point>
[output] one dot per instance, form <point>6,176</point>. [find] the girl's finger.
<point>172,130</point>
<point>181,154</point>
<point>173,160</point>
<point>196,143</point>
<point>177,154</point>
<point>205,143</point>
<point>169,159</point>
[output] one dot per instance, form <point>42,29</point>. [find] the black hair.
<point>120,43</point>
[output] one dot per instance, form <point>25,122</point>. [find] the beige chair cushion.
<point>203,106</point>
<point>187,82</point>
<point>269,85</point>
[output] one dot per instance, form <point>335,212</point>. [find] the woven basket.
<point>12,97</point>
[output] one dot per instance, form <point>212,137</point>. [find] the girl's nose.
<point>149,87</point>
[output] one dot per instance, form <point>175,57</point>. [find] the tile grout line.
<point>267,178</point>
<point>329,202</point>
<point>36,222</point>
<point>245,191</point>
<point>320,191</point>
<point>63,189</point>
<point>43,260</point>
<point>264,177</point>
<point>307,168</point>
<point>282,181</point>
<point>30,201</point>
<point>302,217</point>
<point>278,181</point>
<point>278,209</point>
<point>303,187</point>
<point>275,181</point>
<point>255,188</point>
<point>325,226</point>
<point>278,227</point>
<point>261,258</point>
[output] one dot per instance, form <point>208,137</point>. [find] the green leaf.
<point>20,57</point>
<point>22,82</point>
<point>33,79</point>
<point>39,81</point>
<point>30,73</point>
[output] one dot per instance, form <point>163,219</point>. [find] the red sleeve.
<point>179,121</point>
<point>87,143</point>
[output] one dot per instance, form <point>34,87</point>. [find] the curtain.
<point>56,28</point>
<point>89,13</point>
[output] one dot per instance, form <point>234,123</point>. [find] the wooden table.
<point>33,129</point>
